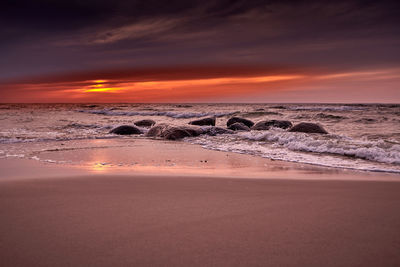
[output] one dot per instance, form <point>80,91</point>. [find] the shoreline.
<point>155,157</point>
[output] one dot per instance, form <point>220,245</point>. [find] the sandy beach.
<point>166,221</point>
<point>71,216</point>
<point>192,133</point>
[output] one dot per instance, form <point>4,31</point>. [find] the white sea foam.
<point>323,150</point>
<point>379,151</point>
<point>326,108</point>
<point>51,161</point>
<point>15,155</point>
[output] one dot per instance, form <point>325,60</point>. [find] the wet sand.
<point>175,209</point>
<point>159,157</point>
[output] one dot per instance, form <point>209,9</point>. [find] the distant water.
<point>361,136</point>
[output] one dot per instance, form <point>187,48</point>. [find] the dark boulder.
<point>238,126</point>
<point>205,121</point>
<point>179,132</point>
<point>145,123</point>
<point>126,130</point>
<point>266,125</point>
<point>158,130</point>
<point>216,130</point>
<point>173,132</point>
<point>308,127</point>
<point>176,133</point>
<point>192,130</point>
<point>233,120</point>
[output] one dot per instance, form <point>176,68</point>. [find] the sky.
<point>199,51</point>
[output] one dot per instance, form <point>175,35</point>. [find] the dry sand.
<point>167,221</point>
<point>171,209</point>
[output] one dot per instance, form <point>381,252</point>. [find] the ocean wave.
<point>294,151</point>
<point>329,116</point>
<point>327,108</point>
<point>88,127</point>
<point>366,120</point>
<point>85,126</point>
<point>259,113</point>
<point>176,115</point>
<point>90,106</point>
<point>378,151</point>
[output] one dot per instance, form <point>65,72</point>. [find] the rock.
<point>173,132</point>
<point>157,131</point>
<point>233,120</point>
<point>238,126</point>
<point>176,133</point>
<point>193,131</point>
<point>266,125</point>
<point>145,123</point>
<point>126,130</point>
<point>205,121</point>
<point>216,130</point>
<point>308,127</point>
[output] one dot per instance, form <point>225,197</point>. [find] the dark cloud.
<point>49,36</point>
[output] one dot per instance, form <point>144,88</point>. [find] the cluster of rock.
<point>240,124</point>
<point>178,132</point>
<point>266,125</point>
<point>169,132</point>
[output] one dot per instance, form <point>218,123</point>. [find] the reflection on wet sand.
<point>143,156</point>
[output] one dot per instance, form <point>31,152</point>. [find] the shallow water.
<point>361,137</point>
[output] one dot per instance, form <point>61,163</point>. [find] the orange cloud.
<point>103,86</point>
<point>217,85</point>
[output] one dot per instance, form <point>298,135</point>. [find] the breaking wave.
<point>324,150</point>
<point>326,108</point>
<point>379,151</point>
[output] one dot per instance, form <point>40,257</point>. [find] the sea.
<point>364,137</point>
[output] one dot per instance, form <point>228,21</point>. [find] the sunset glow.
<point>244,51</point>
<point>176,84</point>
<point>167,88</point>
